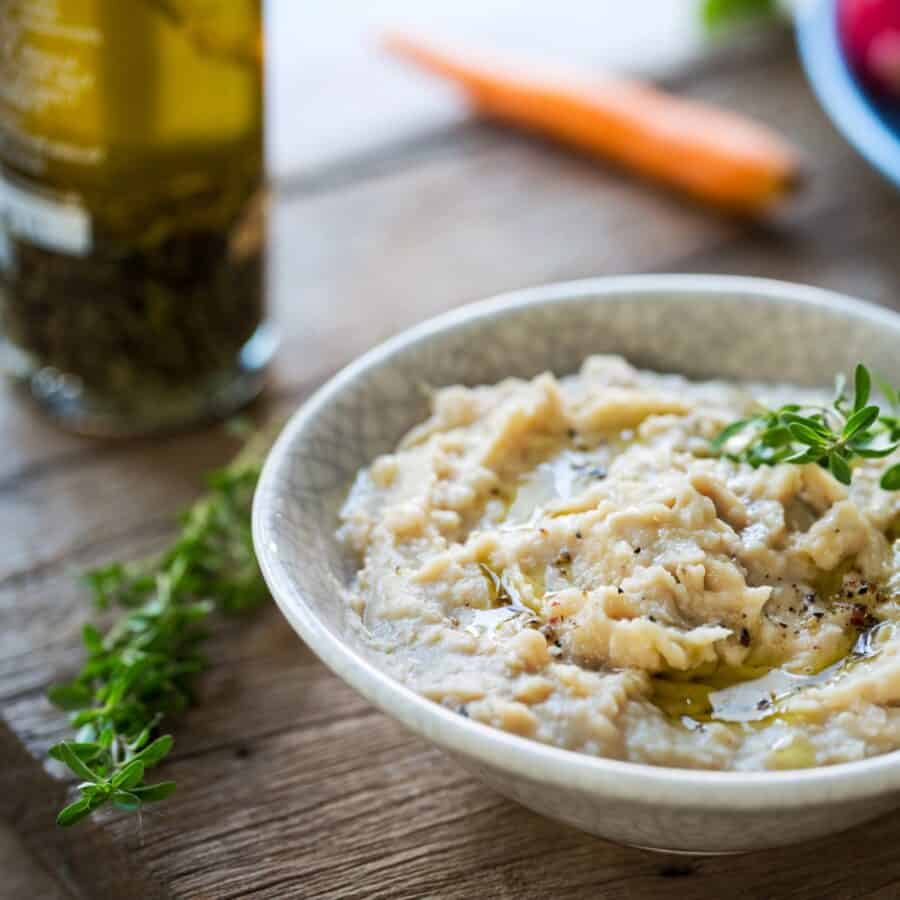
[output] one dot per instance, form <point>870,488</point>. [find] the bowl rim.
<point>530,759</point>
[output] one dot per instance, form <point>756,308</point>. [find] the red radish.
<point>870,33</point>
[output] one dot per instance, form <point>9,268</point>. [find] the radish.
<point>870,33</point>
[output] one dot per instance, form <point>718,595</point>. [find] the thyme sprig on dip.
<point>144,667</point>
<point>832,436</point>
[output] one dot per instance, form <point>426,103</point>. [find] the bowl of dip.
<point>506,529</point>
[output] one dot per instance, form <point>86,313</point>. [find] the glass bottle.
<point>132,196</point>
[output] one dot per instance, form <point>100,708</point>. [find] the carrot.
<point>717,156</point>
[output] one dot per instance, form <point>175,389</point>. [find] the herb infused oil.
<point>132,196</point>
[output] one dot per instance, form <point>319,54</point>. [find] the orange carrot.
<point>712,154</point>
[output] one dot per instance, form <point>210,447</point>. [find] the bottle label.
<point>50,53</point>
<point>44,220</point>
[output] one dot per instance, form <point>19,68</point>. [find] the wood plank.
<point>850,253</point>
<point>376,815</point>
<point>311,809</point>
<point>22,876</point>
<point>291,785</point>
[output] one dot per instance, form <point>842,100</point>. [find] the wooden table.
<point>290,785</point>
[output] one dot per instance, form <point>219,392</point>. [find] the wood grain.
<point>290,784</point>
<point>21,876</point>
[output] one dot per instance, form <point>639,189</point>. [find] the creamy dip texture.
<point>566,560</point>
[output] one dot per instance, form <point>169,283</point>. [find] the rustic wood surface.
<point>290,784</point>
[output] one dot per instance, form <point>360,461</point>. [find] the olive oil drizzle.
<point>573,467</point>
<point>750,694</point>
<point>756,692</point>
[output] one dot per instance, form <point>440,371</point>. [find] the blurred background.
<point>320,74</point>
<point>447,207</point>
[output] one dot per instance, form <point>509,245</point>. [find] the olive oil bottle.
<point>132,203</point>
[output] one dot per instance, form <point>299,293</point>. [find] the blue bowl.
<point>872,127</point>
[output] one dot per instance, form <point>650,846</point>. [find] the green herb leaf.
<point>811,422</point>
<point>859,421</point>
<point>801,457</point>
<point>73,813</point>
<point>777,436</point>
<point>69,696</point>
<point>890,481</point>
<point>142,738</point>
<point>95,793</point>
<point>91,638</point>
<point>807,435</point>
<point>867,452</point>
<point>839,467</point>
<point>862,387</point>
<point>152,754</point>
<point>83,750</point>
<point>153,793</point>
<point>129,776</point>
<point>66,754</point>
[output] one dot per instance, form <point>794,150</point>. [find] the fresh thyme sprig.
<point>832,436</point>
<point>143,668</point>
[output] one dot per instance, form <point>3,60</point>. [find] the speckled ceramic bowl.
<point>697,325</point>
